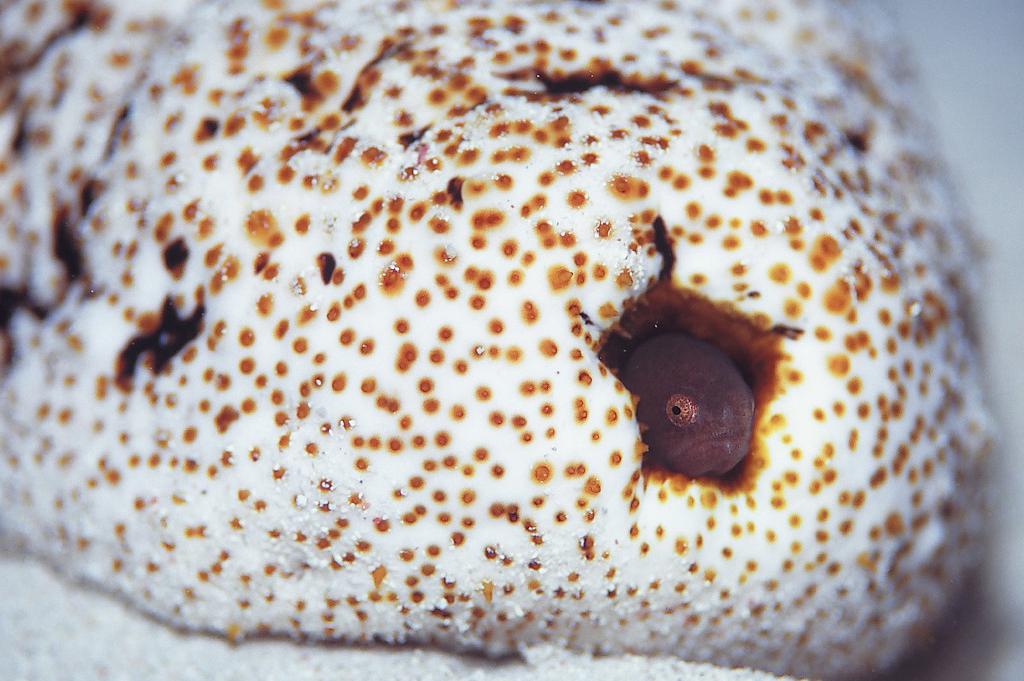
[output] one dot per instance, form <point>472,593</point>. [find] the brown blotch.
<point>11,300</point>
<point>90,189</point>
<point>20,140</point>
<point>578,82</point>
<point>369,75</point>
<point>175,256</point>
<point>65,244</point>
<point>206,129</point>
<point>663,244</point>
<point>82,16</point>
<point>790,332</point>
<point>310,139</point>
<point>454,190</point>
<point>261,262</point>
<point>302,80</point>
<point>162,342</point>
<point>410,138</point>
<point>327,263</point>
<point>860,140</point>
<point>117,130</point>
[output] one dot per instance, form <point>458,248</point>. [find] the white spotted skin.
<point>415,439</point>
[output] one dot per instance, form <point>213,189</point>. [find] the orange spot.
<point>837,298</point>
<point>559,277</point>
<point>225,418</point>
<point>839,365</point>
<point>262,229</point>
<point>326,82</point>
<point>488,218</point>
<point>825,252</point>
<point>276,37</point>
<point>392,279</point>
<point>894,524</point>
<point>628,188</point>
<point>779,273</point>
<point>577,199</point>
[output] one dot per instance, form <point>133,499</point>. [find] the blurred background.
<point>970,54</point>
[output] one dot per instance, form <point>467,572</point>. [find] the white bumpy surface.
<point>97,637</point>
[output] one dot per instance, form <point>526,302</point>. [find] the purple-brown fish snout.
<point>696,410</point>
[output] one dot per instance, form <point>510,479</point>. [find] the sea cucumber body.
<point>319,351</point>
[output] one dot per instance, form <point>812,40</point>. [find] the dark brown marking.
<point>162,344</point>
<point>579,82</point>
<point>454,190</point>
<point>860,140</point>
<point>261,262</point>
<point>175,256</point>
<point>354,100</point>
<point>790,332</point>
<point>208,127</point>
<point>411,138</point>
<point>357,97</point>
<point>663,243</point>
<point>20,140</point>
<point>116,131</point>
<point>305,139</point>
<point>327,263</point>
<point>88,194</point>
<point>11,300</point>
<point>84,15</point>
<point>302,80</point>
<point>65,244</point>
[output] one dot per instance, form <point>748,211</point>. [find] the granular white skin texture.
<point>310,307</point>
<point>123,645</point>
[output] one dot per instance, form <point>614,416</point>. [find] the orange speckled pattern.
<point>312,314</point>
